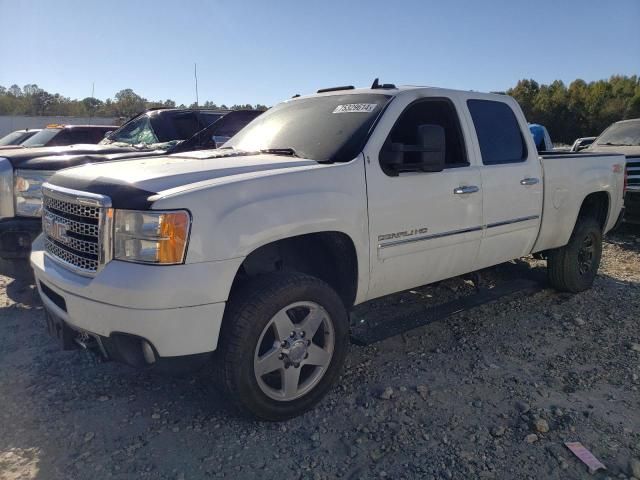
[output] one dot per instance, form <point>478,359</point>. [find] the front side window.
<point>440,112</point>
<point>498,132</point>
<point>327,128</point>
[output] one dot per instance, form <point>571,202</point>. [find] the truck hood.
<point>27,158</point>
<point>130,184</point>
<point>631,151</point>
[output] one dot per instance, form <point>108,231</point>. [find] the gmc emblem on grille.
<point>55,229</point>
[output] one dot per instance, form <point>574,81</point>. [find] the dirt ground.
<point>493,392</point>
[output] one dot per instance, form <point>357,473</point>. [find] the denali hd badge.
<point>55,229</point>
<point>406,233</point>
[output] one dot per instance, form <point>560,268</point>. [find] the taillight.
<point>617,168</point>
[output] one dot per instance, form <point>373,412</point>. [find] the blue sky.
<point>265,51</point>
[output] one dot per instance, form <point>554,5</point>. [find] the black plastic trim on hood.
<point>123,195</point>
<point>57,157</point>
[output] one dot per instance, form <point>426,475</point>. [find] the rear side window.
<point>76,135</point>
<point>498,132</point>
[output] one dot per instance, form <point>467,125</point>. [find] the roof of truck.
<point>396,90</point>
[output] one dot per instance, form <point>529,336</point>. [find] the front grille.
<point>72,226</point>
<point>633,173</point>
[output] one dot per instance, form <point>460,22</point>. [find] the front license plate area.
<point>60,331</point>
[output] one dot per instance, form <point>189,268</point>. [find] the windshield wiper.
<point>611,144</point>
<point>280,151</point>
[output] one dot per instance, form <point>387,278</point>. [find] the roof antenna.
<point>195,75</point>
<point>375,84</point>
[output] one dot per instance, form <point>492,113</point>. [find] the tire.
<point>574,267</point>
<point>258,359</point>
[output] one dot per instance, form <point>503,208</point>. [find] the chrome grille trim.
<point>70,260</point>
<point>80,239</point>
<point>86,229</point>
<point>71,208</point>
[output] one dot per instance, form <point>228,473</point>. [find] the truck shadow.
<point>67,417</point>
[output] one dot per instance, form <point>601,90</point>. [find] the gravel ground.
<point>493,392</point>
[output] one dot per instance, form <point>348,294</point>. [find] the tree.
<point>129,103</point>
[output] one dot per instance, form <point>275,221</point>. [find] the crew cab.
<point>251,256</point>
<point>153,133</point>
<point>624,137</point>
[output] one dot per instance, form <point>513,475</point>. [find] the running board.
<point>362,334</point>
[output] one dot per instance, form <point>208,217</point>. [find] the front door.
<point>424,226</point>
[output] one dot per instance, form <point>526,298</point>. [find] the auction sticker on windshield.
<point>355,108</point>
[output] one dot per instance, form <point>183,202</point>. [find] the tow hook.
<point>92,346</point>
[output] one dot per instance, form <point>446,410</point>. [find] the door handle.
<point>466,189</point>
<point>529,181</point>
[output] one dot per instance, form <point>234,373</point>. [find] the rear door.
<point>511,179</point>
<point>424,226</point>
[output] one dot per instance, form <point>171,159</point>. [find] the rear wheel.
<point>283,344</point>
<point>574,267</point>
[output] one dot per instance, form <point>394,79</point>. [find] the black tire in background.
<point>574,267</point>
<point>249,312</point>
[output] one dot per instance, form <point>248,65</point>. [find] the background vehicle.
<point>541,137</point>
<point>16,137</point>
<point>60,135</point>
<point>582,143</point>
<point>22,173</point>
<point>321,203</point>
<point>624,137</point>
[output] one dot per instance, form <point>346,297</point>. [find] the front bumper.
<point>177,309</point>
<point>632,206</point>
<point>16,236</point>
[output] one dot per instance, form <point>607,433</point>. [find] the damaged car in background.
<point>153,133</point>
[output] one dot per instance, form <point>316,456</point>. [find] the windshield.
<point>158,130</point>
<point>327,128</point>
<point>138,130</point>
<point>42,138</point>
<point>14,138</point>
<point>621,134</point>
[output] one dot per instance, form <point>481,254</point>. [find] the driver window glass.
<point>430,112</point>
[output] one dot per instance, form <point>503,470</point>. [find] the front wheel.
<point>574,267</point>
<point>283,343</point>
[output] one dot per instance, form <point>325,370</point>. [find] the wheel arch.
<point>328,255</point>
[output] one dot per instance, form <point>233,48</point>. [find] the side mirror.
<point>427,156</point>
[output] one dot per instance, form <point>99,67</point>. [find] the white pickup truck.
<point>251,256</point>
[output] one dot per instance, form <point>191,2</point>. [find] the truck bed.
<point>568,178</point>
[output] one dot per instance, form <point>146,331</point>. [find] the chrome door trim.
<point>509,222</point>
<point>405,241</point>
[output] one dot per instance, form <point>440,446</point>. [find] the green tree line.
<point>33,100</point>
<point>581,109</point>
<point>578,110</point>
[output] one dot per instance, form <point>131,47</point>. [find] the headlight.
<point>151,237</point>
<point>27,191</point>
